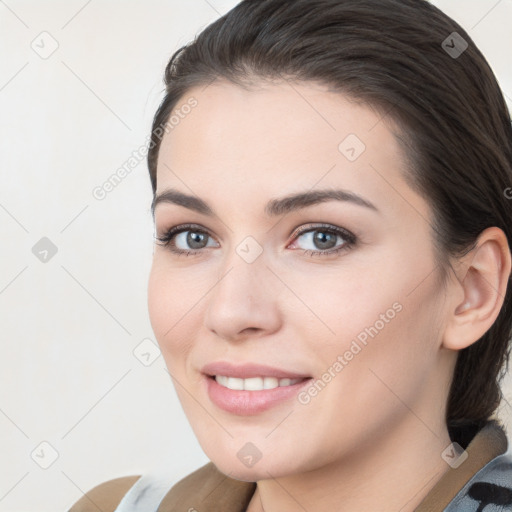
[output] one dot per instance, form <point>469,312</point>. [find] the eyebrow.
<point>273,208</point>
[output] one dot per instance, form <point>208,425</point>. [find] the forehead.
<point>281,136</point>
<point>282,116</point>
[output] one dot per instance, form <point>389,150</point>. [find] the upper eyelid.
<point>297,230</point>
<point>312,226</point>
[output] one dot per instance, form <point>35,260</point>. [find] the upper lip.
<point>248,370</point>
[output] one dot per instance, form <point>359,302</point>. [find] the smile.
<point>254,383</point>
<point>247,397</point>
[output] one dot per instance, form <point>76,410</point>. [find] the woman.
<point>330,277</point>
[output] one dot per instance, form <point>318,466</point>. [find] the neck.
<point>395,473</point>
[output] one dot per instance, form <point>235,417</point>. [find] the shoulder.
<point>138,492</point>
<point>105,496</point>
<point>162,490</point>
<point>492,485</point>
<point>209,487</point>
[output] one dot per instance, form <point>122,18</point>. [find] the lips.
<point>249,389</point>
<point>250,370</point>
<point>251,402</point>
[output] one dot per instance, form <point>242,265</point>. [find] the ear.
<point>482,278</point>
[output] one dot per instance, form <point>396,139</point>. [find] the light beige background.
<point>70,325</point>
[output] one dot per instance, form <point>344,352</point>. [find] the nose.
<point>244,301</point>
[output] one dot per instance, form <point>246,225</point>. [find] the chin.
<point>261,470</point>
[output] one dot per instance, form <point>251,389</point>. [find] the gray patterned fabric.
<point>490,490</point>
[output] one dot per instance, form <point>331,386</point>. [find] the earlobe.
<point>484,284</point>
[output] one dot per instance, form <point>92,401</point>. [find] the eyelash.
<point>349,239</point>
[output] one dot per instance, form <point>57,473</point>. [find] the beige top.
<point>209,490</point>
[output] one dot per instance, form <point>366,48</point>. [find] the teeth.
<point>254,383</point>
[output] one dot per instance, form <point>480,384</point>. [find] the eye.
<point>322,239</point>
<point>325,239</point>
<point>190,237</point>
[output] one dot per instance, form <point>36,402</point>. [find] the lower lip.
<point>245,403</point>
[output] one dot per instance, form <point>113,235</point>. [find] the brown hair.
<point>397,56</point>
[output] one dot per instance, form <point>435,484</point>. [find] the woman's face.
<point>342,294</point>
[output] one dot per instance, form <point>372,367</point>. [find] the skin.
<point>381,419</point>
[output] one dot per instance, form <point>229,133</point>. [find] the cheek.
<point>335,305</point>
<point>388,347</point>
<point>158,302</point>
<point>380,315</point>
<point>170,307</point>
